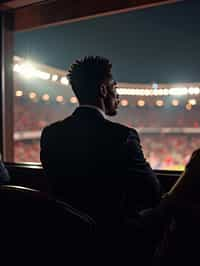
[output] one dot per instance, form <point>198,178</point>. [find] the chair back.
<point>32,222</point>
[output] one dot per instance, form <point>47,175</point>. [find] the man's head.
<point>92,82</point>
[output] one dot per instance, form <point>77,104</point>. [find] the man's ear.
<point>103,91</point>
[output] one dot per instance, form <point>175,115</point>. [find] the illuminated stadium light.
<point>125,91</point>
<point>54,77</point>
<point>64,81</point>
<point>147,92</point>
<point>175,102</point>
<point>73,99</point>
<point>59,99</point>
<point>193,90</point>
<point>32,95</point>
<point>159,103</point>
<point>158,92</point>
<point>140,103</point>
<point>192,101</point>
<point>188,106</point>
<point>155,86</point>
<point>124,102</point>
<point>16,68</point>
<point>45,97</point>
<point>178,91</point>
<point>165,91</point>
<point>28,71</point>
<point>42,75</point>
<point>19,93</point>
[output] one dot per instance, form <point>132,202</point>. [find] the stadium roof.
<point>33,13</point>
<point>34,70</point>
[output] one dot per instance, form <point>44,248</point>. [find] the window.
<point>155,56</point>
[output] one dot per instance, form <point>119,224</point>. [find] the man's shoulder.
<point>52,127</point>
<point>122,128</point>
<point>55,127</point>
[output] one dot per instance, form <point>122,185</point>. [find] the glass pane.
<point>155,57</point>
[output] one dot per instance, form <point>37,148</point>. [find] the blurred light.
<point>192,101</point>
<point>19,93</point>
<point>140,103</point>
<point>59,99</point>
<point>124,102</point>
<point>160,103</point>
<point>42,75</point>
<point>32,95</point>
<point>27,70</point>
<point>188,106</point>
<point>193,90</point>
<point>73,99</point>
<point>165,91</point>
<point>45,97</point>
<point>54,77</point>
<point>155,86</point>
<point>175,102</point>
<point>64,81</point>
<point>178,91</point>
<point>16,68</point>
<point>147,92</point>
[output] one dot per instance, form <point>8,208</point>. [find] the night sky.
<point>160,44</point>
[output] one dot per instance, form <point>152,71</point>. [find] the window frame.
<point>15,18</point>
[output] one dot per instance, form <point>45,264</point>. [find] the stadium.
<point>165,115</point>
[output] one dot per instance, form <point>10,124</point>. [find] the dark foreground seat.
<point>35,225</point>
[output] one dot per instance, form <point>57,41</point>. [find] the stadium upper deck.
<point>166,115</point>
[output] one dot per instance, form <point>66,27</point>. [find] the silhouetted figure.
<point>90,161</point>
<point>180,241</point>
<point>98,166</point>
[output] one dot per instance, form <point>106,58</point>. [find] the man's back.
<point>87,159</point>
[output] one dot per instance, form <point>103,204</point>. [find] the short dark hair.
<point>87,74</point>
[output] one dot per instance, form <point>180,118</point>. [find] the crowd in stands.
<point>162,151</point>
<point>166,151</point>
<point>34,116</point>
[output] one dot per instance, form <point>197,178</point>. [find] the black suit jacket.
<point>98,166</point>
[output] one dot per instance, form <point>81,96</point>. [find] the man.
<point>96,165</point>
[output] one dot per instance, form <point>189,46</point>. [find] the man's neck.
<point>93,107</point>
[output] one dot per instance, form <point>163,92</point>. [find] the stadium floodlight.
<point>125,91</point>
<point>140,103</point>
<point>124,102</point>
<point>188,106</point>
<point>19,93</point>
<point>32,95</point>
<point>73,99</point>
<point>192,101</point>
<point>17,68</point>
<point>193,90</point>
<point>42,75</point>
<point>64,81</point>
<point>27,70</point>
<point>159,103</point>
<point>54,77</point>
<point>165,91</point>
<point>45,97</point>
<point>178,91</point>
<point>175,102</point>
<point>155,86</point>
<point>147,92</point>
<point>59,98</point>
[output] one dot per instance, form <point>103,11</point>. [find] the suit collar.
<point>89,111</point>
